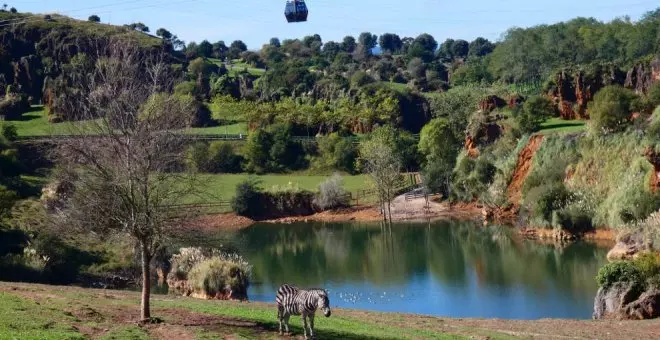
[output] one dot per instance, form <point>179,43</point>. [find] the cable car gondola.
<point>295,11</point>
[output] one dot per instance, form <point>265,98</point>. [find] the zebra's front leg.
<point>280,316</point>
<point>304,317</point>
<point>311,326</point>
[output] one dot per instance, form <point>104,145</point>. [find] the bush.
<point>653,129</point>
<point>573,219</point>
<point>335,153</point>
<point>543,200</point>
<point>331,194</point>
<point>246,200</point>
<point>620,271</point>
<point>361,78</point>
<point>471,178</point>
<point>534,112</point>
<point>610,111</point>
<point>14,105</point>
<point>648,264</point>
<point>223,159</point>
<point>653,95</point>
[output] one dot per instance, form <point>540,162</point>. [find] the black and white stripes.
<point>294,301</point>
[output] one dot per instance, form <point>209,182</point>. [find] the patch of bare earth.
<point>228,221</point>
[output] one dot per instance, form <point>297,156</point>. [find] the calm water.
<point>455,269</point>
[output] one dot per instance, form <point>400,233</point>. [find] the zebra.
<point>294,301</point>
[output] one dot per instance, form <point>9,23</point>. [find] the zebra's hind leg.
<point>280,311</point>
<point>286,323</point>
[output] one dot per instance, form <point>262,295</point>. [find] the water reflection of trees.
<point>452,252</point>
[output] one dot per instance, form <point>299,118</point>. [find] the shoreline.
<point>371,213</point>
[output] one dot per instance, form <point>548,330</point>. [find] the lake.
<point>448,268</point>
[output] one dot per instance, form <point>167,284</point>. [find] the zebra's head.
<point>324,303</point>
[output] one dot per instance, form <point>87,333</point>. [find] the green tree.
<point>423,47</point>
<point>205,49</point>
<point>390,42</point>
<point>610,111</point>
<point>275,42</point>
<point>348,44</point>
<point>460,49</point>
<point>94,18</point>
<point>439,147</point>
<point>480,47</point>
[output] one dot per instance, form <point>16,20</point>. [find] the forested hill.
<point>39,52</point>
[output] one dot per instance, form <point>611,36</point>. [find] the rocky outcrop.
<point>647,306</point>
<point>611,301</point>
<point>625,300</point>
<point>491,103</point>
<point>654,158</point>
<point>573,89</point>
<point>515,100</point>
<point>628,246</point>
<point>471,147</point>
<point>643,75</point>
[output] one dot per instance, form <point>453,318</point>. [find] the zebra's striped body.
<point>294,301</point>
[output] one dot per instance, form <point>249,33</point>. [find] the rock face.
<point>624,301</point>
<point>642,76</point>
<point>647,306</point>
<point>574,89</point>
<point>610,301</point>
<point>653,158</point>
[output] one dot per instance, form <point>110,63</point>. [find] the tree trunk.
<point>389,210</point>
<point>145,310</point>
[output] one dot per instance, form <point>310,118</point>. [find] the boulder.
<point>610,301</point>
<point>627,247</point>
<point>647,306</point>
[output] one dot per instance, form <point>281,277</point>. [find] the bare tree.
<point>383,165</point>
<point>124,162</point>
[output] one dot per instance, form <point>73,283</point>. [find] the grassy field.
<point>238,66</point>
<point>558,125</point>
<point>221,187</point>
<point>35,123</point>
<point>29,311</point>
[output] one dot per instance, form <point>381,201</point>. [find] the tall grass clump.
<point>210,273</point>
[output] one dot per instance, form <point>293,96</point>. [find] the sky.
<point>256,21</point>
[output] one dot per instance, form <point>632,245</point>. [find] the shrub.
<point>14,105</point>
<point>543,200</point>
<point>361,78</point>
<point>620,271</point>
<point>331,194</point>
<point>648,264</point>
<point>653,129</point>
<point>471,178</point>
<point>223,159</point>
<point>610,110</point>
<point>573,218</point>
<point>246,200</point>
<point>198,157</point>
<point>335,153</point>
<point>653,95</point>
<point>534,112</point>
